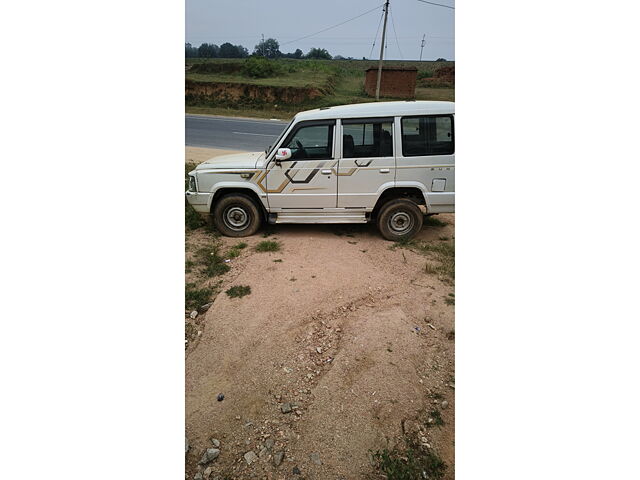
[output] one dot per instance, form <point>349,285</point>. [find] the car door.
<point>367,161</point>
<point>306,180</point>
<point>428,157</point>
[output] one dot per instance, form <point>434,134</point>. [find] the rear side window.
<point>365,139</point>
<point>431,135</point>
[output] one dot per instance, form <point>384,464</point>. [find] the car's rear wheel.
<point>399,219</point>
<point>236,215</point>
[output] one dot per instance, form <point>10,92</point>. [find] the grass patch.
<point>412,463</point>
<point>433,221</point>
<point>239,291</point>
<point>443,253</point>
<point>235,251</point>
<point>449,301</point>
<point>278,260</point>
<point>268,246</point>
<point>192,219</point>
<point>213,263</point>
<point>195,297</point>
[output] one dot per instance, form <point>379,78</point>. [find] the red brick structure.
<point>396,82</point>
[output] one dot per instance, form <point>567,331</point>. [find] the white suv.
<point>388,162</point>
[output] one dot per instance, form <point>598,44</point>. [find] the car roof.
<point>378,109</point>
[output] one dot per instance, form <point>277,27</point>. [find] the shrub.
<point>260,67</point>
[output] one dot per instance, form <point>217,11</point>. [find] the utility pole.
<point>422,46</point>
<point>384,31</point>
<point>263,51</point>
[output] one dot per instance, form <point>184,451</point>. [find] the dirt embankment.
<point>344,346</point>
<point>221,92</point>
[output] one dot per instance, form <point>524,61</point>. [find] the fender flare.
<point>405,184</point>
<point>238,186</point>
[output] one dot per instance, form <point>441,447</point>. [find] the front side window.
<point>367,139</point>
<point>311,143</point>
<point>431,135</point>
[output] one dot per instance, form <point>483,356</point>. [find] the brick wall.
<point>395,82</point>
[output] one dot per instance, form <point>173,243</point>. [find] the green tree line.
<point>269,48</point>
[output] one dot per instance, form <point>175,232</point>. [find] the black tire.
<point>399,219</point>
<point>236,215</point>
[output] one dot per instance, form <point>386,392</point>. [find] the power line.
<point>376,37</point>
<point>393,24</point>
<point>334,26</point>
<point>437,4</point>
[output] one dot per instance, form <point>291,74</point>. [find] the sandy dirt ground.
<point>351,335</point>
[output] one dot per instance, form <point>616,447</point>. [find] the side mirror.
<point>283,154</point>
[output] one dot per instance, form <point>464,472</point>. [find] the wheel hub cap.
<point>400,222</point>
<point>236,218</point>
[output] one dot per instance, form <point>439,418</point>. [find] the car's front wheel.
<point>399,219</point>
<point>236,215</point>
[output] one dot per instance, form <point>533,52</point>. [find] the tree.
<point>269,48</point>
<point>319,53</point>
<point>208,50</point>
<point>190,51</point>
<point>227,50</point>
<point>441,60</point>
<point>298,53</point>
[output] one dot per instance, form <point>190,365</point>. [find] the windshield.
<point>273,145</point>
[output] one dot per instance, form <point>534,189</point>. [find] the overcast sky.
<point>244,21</point>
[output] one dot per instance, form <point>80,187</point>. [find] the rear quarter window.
<point>427,135</point>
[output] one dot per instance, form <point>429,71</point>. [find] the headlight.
<point>192,183</point>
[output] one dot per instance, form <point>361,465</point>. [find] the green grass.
<point>195,297</point>
<point>411,463</point>
<point>298,79</point>
<point>443,253</point>
<point>192,219</point>
<point>238,291</point>
<point>235,251</point>
<point>212,263</point>
<point>268,246</point>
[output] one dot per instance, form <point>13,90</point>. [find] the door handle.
<point>384,170</point>
<point>325,171</point>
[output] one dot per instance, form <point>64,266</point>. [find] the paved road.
<point>232,133</point>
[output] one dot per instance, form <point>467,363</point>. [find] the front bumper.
<point>198,200</point>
